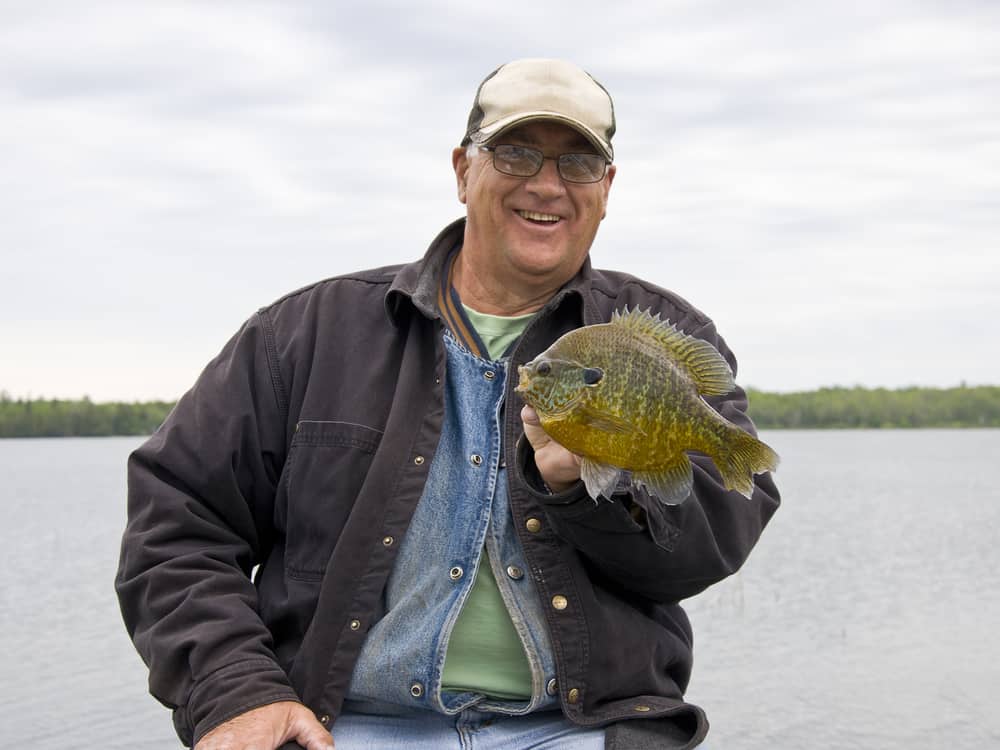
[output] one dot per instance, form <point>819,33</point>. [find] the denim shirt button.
<point>416,690</point>
<point>489,374</point>
<point>456,573</point>
<point>515,572</point>
<point>476,459</point>
<point>552,687</point>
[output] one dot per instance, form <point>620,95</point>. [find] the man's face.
<point>534,230</point>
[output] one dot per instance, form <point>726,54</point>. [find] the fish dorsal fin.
<point>701,361</point>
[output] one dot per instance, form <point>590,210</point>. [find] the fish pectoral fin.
<point>599,479</point>
<point>605,422</point>
<point>671,484</point>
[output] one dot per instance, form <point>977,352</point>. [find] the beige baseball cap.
<point>542,89</point>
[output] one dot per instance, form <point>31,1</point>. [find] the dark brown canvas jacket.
<point>299,456</point>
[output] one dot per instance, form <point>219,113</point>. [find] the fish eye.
<point>592,375</point>
<point>543,368</point>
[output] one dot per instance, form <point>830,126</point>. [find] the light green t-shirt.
<point>485,654</point>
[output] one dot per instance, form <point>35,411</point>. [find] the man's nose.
<point>547,183</point>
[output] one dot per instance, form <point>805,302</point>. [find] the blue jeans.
<point>468,730</point>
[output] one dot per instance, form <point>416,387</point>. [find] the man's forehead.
<point>544,133</point>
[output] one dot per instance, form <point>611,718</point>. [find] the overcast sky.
<point>823,179</point>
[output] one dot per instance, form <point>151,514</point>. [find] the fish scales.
<point>643,386</point>
<point>629,395</point>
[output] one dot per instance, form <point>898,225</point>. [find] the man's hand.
<point>559,468</point>
<point>268,728</point>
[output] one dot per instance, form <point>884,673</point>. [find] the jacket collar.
<point>419,282</point>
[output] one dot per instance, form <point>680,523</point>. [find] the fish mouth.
<point>523,379</point>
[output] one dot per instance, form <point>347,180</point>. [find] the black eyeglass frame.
<point>541,162</point>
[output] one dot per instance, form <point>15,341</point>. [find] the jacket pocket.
<point>326,467</point>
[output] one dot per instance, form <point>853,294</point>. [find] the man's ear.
<point>460,163</point>
<point>608,179</point>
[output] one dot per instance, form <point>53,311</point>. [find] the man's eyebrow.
<point>520,135</point>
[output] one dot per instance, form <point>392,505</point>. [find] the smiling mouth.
<point>538,218</point>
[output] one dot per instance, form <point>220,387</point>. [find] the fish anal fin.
<point>702,362</point>
<point>671,484</point>
<point>599,479</point>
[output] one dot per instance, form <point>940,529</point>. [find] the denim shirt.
<point>464,507</point>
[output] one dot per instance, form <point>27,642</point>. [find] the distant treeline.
<point>78,418</point>
<point>977,406</point>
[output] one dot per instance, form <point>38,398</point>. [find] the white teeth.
<point>534,215</point>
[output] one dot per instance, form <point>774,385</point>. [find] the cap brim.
<point>488,133</point>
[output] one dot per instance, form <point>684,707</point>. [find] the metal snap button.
<point>533,525</point>
<point>387,541</point>
<point>419,460</point>
<point>573,696</point>
<point>515,572</point>
<point>552,687</point>
<point>355,624</point>
<point>476,459</point>
<point>489,374</point>
<point>456,573</point>
<point>416,690</point>
<point>559,602</point>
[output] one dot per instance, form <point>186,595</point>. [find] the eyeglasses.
<point>523,161</point>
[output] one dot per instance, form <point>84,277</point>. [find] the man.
<point>426,565</point>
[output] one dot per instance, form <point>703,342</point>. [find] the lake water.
<point>866,618</point>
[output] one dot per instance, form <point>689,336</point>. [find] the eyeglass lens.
<point>522,161</point>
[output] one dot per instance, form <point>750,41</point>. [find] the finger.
<point>317,744</point>
<point>530,416</point>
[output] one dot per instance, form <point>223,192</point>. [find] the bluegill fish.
<point>629,395</point>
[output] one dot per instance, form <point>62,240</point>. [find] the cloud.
<point>821,179</point>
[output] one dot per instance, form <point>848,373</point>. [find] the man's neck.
<point>495,297</point>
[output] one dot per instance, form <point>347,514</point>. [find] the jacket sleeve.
<point>200,498</point>
<point>665,552</point>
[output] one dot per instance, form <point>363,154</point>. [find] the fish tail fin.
<point>742,456</point>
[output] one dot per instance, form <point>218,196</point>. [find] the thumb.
<point>304,729</point>
<point>533,428</point>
